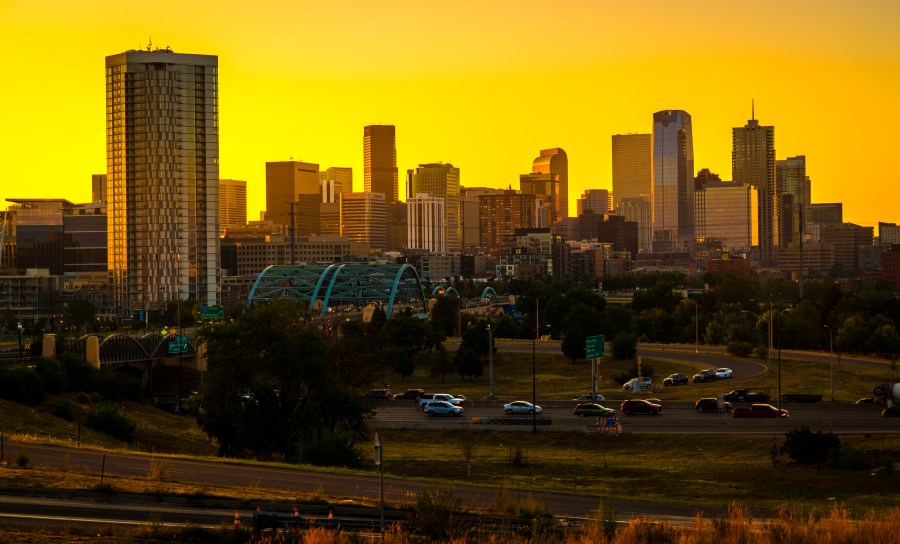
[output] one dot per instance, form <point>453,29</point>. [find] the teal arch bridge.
<point>358,285</point>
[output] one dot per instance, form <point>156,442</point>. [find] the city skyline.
<point>467,93</point>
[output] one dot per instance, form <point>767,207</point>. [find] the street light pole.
<point>696,328</point>
<point>779,361</point>
<point>537,328</point>
<point>20,328</point>
<point>831,360</point>
<point>490,361</point>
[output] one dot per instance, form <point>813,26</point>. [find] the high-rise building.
<point>725,216</point>
<point>847,238</point>
<point>888,234</point>
<point>364,218</point>
<point>440,180</point>
<point>753,162</point>
<point>632,167</point>
<point>98,188</point>
<point>162,154</point>
<point>595,200</point>
<point>425,222</point>
<point>791,179</point>
<point>39,232</point>
<point>554,161</point>
<point>334,181</point>
<point>397,225</point>
<point>501,214</point>
<point>293,190</point>
<point>546,188</point>
<point>232,204</point>
<point>639,210</point>
<point>380,161</point>
<point>673,182</point>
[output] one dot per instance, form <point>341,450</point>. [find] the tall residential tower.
<point>162,155</point>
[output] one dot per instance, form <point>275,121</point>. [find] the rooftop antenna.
<point>150,43</point>
<point>752,110</point>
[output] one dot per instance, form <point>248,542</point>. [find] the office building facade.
<point>595,200</point>
<point>440,180</point>
<point>426,221</point>
<point>554,161</point>
<point>791,181</point>
<point>632,167</point>
<point>364,219</point>
<point>725,216</point>
<point>380,161</point>
<point>232,204</point>
<point>334,181</point>
<point>753,162</point>
<point>673,182</point>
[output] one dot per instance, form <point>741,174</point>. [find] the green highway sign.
<point>594,347</point>
<point>212,312</point>
<point>178,345</point>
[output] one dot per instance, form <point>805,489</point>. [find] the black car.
<point>710,405</point>
<point>378,394</point>
<point>891,412</point>
<point>593,410</point>
<point>705,376</point>
<point>640,406</point>
<point>410,394</point>
<point>679,378</point>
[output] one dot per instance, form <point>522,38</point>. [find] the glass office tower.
<point>673,182</point>
<point>162,154</point>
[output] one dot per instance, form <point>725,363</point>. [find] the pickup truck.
<point>759,410</point>
<point>452,399</point>
<point>745,395</point>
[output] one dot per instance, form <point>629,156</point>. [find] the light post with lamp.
<point>831,360</point>
<point>19,329</point>
<point>490,361</point>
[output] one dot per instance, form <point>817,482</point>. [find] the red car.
<point>640,406</point>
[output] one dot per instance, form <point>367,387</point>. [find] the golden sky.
<point>482,84</point>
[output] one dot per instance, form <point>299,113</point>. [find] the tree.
<point>581,322</point>
<point>407,336</point>
<point>445,315</point>
<point>468,363</point>
<point>79,313</point>
<point>624,346</point>
<point>439,363</point>
<point>272,381</point>
<point>808,448</point>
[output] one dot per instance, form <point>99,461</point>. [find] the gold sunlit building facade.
<point>440,180</point>
<point>162,178</point>
<point>380,161</point>
<point>501,214</point>
<point>232,204</point>
<point>726,217</point>
<point>364,219</point>
<point>555,162</point>
<point>632,167</point>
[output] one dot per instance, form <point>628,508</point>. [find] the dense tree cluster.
<point>722,310</point>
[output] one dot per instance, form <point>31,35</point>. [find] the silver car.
<point>522,407</point>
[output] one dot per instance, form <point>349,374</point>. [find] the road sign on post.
<point>212,312</point>
<point>595,346</point>
<point>178,345</point>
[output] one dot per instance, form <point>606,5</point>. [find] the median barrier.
<point>524,420</point>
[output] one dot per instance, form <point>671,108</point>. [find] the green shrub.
<point>117,386</point>
<point>805,447</point>
<point>761,351</point>
<point>107,419</point>
<point>81,375</point>
<point>63,409</point>
<point>21,384</point>
<point>329,449</point>
<point>740,349</point>
<point>53,375</point>
<point>22,460</point>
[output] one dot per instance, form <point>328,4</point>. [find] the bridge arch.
<point>347,284</point>
<point>446,290</point>
<point>489,293</point>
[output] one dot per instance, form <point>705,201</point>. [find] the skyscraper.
<point>632,167</point>
<point>334,181</point>
<point>673,181</point>
<point>292,189</point>
<point>726,216</point>
<point>554,161</point>
<point>232,204</point>
<point>791,179</point>
<point>753,162</point>
<point>364,219</point>
<point>162,154</point>
<point>440,180</point>
<point>380,161</point>
<point>426,223</point>
<point>595,200</point>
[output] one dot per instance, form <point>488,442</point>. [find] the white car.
<point>521,407</point>
<point>723,373</point>
<point>637,384</point>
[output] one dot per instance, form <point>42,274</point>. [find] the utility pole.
<point>293,229</point>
